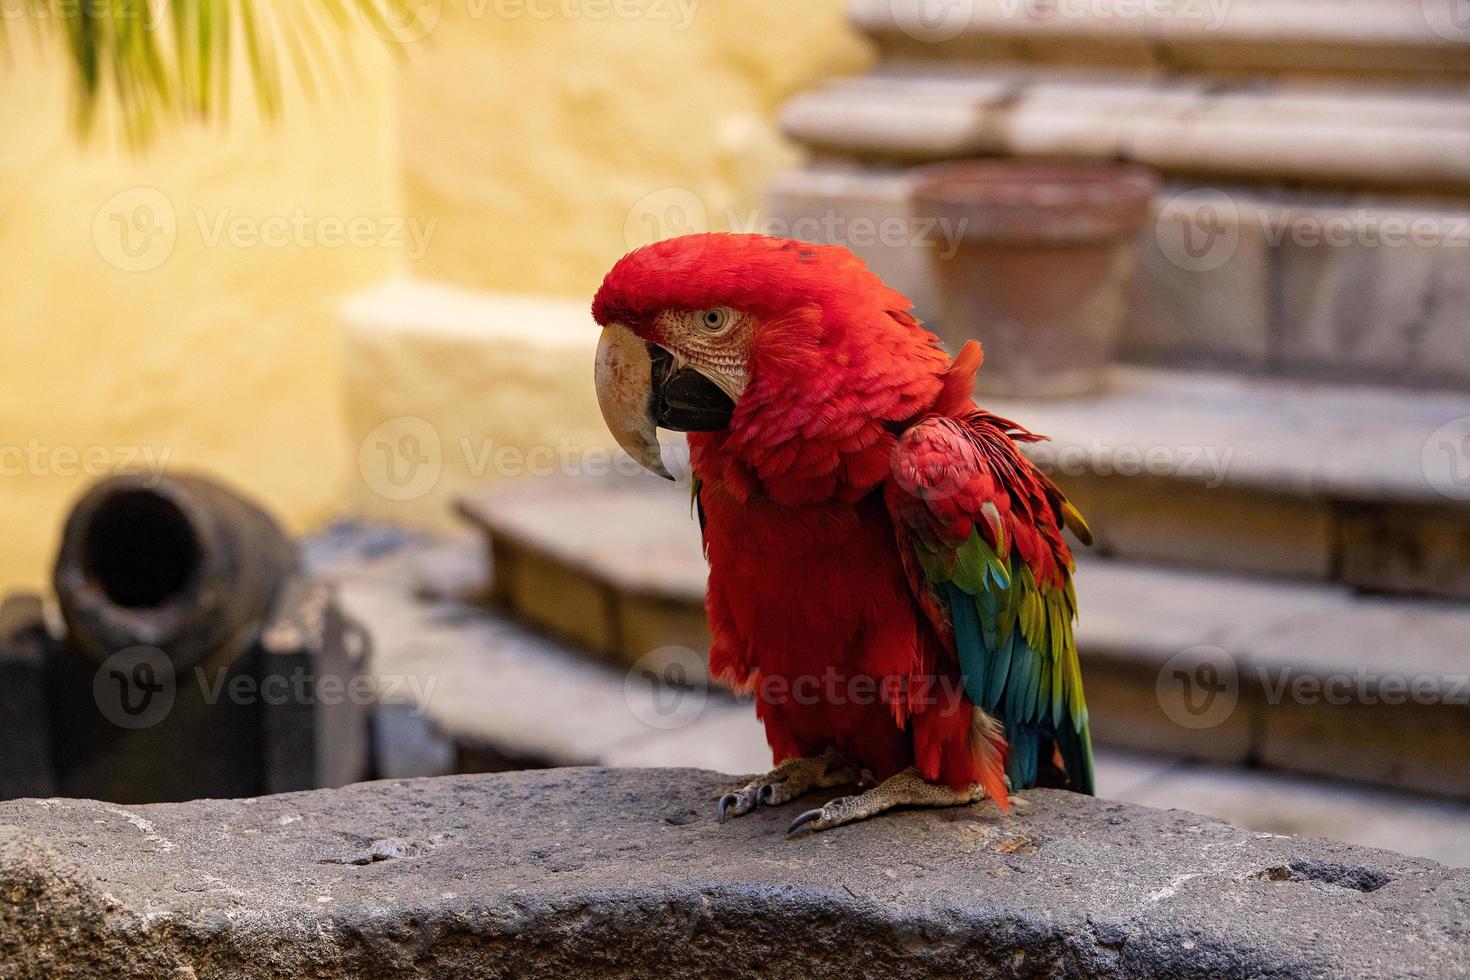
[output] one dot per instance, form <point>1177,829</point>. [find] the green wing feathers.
<point>985,528</point>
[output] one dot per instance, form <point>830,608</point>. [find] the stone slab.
<point>625,871</point>
<point>1224,528</point>
<point>1314,132</point>
<point>1272,37</point>
<point>1337,442</point>
<point>1286,803</point>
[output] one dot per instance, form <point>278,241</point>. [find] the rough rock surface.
<point>577,871</point>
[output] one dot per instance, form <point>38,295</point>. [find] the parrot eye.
<point>714,320</point>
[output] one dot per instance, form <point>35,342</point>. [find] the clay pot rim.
<point>1040,199</point>
<point>1038,182</point>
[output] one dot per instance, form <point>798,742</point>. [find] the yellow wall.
<point>546,144</point>
<point>534,149</point>
<point>216,356</point>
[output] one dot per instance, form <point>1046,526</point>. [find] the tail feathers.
<point>988,742</point>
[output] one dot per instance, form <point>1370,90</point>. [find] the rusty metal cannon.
<point>184,654</point>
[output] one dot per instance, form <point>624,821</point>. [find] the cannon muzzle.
<point>180,564</point>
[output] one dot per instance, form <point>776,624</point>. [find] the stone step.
<point>616,872</point>
<point>1368,487</point>
<point>1313,678</point>
<point>501,692</point>
<point>1350,287</point>
<point>1365,486</point>
<point>1277,37</point>
<point>1317,133</point>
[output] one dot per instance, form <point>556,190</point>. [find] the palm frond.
<point>168,60</point>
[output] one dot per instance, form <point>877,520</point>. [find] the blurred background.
<point>338,258</point>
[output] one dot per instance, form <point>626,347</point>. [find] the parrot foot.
<point>786,782</point>
<point>907,788</point>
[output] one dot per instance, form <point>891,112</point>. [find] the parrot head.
<point>689,322</point>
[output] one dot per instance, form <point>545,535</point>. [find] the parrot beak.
<point>641,387</point>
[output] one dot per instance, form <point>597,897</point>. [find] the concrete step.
<point>1309,132</point>
<point>1365,486</point>
<point>1277,37</point>
<point>1330,285</point>
<point>489,693</point>
<point>1307,677</point>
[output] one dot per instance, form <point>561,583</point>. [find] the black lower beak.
<point>685,400</point>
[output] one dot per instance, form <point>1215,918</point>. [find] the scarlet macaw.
<point>886,568</point>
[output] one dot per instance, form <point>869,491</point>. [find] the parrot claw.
<point>728,801</point>
<point>803,819</point>
<point>786,782</point>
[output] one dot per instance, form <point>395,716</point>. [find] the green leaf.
<point>153,62</point>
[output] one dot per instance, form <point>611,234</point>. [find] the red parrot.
<point>887,572</point>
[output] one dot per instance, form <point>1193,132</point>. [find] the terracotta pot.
<point>1041,272</point>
